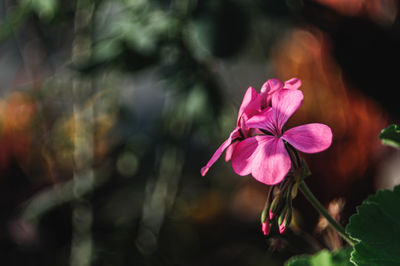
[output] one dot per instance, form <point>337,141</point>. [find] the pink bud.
<point>266,228</point>
<point>271,215</point>
<point>282,228</point>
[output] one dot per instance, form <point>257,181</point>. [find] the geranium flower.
<point>246,110</point>
<point>252,104</point>
<point>265,156</point>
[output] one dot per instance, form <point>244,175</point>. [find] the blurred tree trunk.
<point>83,139</point>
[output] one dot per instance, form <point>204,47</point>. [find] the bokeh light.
<point>109,109</point>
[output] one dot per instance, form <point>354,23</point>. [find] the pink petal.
<point>272,162</point>
<point>265,157</point>
<point>248,105</point>
<point>293,84</point>
<point>265,100</point>
<point>309,138</point>
<point>271,85</point>
<point>243,127</point>
<point>234,135</point>
<point>229,151</point>
<point>267,90</point>
<point>266,228</point>
<point>282,228</point>
<point>285,103</point>
<point>242,158</point>
<point>263,120</point>
<point>271,215</point>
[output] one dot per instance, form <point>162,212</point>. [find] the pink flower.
<point>246,110</point>
<point>252,104</point>
<point>265,156</point>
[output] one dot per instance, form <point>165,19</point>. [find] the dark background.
<point>108,110</point>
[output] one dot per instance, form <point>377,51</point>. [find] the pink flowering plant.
<point>261,146</point>
<point>252,104</point>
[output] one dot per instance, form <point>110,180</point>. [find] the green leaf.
<point>44,8</point>
<point>376,226</point>
<point>323,258</point>
<point>391,136</point>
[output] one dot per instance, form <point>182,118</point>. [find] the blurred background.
<point>109,108</point>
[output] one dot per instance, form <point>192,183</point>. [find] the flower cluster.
<point>259,146</point>
<point>278,206</point>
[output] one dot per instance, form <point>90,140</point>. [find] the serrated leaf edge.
<point>368,201</point>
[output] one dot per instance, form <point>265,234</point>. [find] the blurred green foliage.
<point>324,257</point>
<point>391,136</point>
<point>134,82</point>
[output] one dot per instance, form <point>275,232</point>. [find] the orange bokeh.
<point>17,113</point>
<point>355,119</point>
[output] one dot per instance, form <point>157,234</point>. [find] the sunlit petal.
<point>247,104</point>
<point>263,120</point>
<point>265,157</point>
<point>272,162</point>
<point>309,138</point>
<point>229,151</point>
<point>271,85</point>
<point>285,103</point>
<point>293,84</point>
<point>243,157</point>
<point>219,151</point>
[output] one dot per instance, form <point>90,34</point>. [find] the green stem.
<point>318,206</point>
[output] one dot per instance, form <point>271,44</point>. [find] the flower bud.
<point>276,206</point>
<point>284,220</point>
<point>266,228</point>
<point>282,228</point>
<point>264,213</point>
